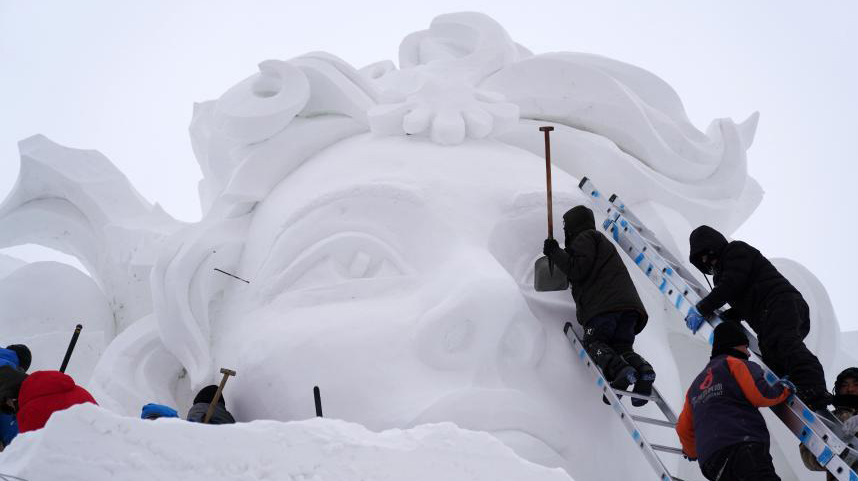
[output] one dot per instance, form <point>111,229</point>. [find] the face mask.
<point>707,261</point>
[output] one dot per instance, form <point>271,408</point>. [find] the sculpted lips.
<point>510,415</point>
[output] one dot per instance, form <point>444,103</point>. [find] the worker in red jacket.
<point>721,426</point>
<point>35,397</point>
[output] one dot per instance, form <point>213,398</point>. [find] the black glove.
<point>550,246</point>
<point>703,312</point>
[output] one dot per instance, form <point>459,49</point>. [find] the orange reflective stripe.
<point>749,387</point>
<point>685,430</point>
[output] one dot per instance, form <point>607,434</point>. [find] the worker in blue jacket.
<point>17,356</point>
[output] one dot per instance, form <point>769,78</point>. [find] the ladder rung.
<point>636,395</point>
<point>626,417</point>
<point>682,289</point>
<point>666,449</point>
<point>657,422</point>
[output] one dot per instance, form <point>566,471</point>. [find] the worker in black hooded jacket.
<point>607,303</point>
<point>759,294</point>
<point>203,401</point>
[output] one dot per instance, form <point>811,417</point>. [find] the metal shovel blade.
<point>546,278</point>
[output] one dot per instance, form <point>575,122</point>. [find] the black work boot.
<point>618,373</point>
<point>625,378</point>
<point>621,376</point>
<point>645,376</point>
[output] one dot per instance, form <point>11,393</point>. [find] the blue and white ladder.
<point>684,292</point>
<point>630,421</point>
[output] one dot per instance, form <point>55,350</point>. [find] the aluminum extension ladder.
<point>683,292</point>
<point>650,451</point>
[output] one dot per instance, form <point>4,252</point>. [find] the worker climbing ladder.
<point>683,292</point>
<point>630,421</point>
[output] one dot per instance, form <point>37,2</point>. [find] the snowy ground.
<point>87,442</point>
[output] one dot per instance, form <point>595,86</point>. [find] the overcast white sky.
<point>121,77</point>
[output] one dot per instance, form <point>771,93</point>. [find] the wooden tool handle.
<point>226,374</point>
<point>548,129</point>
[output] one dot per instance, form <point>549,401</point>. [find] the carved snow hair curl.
<point>462,78</point>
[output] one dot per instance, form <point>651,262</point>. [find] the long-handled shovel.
<point>545,276</point>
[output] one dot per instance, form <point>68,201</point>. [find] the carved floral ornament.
<point>464,78</point>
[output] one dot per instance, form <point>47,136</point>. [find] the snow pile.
<point>87,442</point>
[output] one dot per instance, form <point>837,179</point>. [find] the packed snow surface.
<point>87,443</point>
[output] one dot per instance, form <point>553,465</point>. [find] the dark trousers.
<point>783,325</point>
<point>741,462</point>
<point>609,338</point>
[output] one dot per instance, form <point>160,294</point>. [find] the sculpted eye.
<point>339,259</point>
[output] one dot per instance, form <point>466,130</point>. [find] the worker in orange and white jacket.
<point>721,426</point>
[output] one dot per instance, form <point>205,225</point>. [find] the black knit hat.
<point>24,356</point>
<point>728,335</point>
<point>206,395</point>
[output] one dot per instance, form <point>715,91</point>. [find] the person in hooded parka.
<point>203,399</point>
<point>607,303</point>
<point>34,398</point>
<point>761,295</point>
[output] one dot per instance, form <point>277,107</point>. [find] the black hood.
<point>702,240</point>
<point>575,221</point>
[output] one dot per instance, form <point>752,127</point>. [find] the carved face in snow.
<point>393,271</point>
<point>389,272</point>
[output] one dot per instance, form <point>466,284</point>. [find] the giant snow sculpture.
<point>387,219</point>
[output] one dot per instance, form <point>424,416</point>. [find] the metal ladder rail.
<point>648,238</point>
<point>629,421</point>
<point>652,239</point>
<point>804,423</point>
<point>829,430</point>
<point>801,421</point>
<point>680,290</point>
<point>676,288</point>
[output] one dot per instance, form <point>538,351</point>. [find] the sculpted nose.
<point>481,322</point>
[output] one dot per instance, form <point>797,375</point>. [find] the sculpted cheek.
<point>524,340</point>
<point>479,325</point>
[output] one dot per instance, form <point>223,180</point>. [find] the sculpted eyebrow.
<point>407,194</point>
<point>399,192</point>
